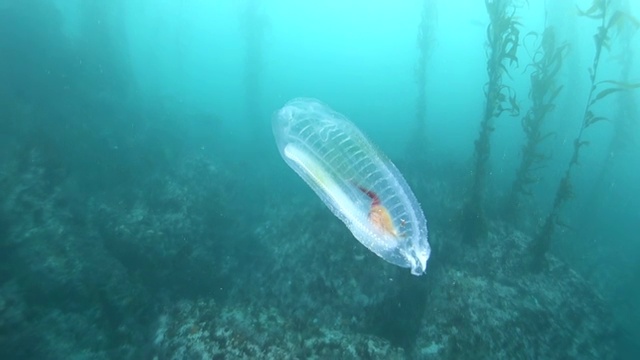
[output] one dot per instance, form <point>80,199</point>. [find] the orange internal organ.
<point>381,219</point>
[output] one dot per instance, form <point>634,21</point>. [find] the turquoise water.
<point>146,212</point>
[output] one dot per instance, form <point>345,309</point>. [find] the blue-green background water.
<point>138,170</point>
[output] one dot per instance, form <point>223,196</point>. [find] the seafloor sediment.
<point>178,270</point>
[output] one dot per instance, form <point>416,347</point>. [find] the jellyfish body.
<point>355,180</point>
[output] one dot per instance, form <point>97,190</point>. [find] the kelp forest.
<point>146,212</point>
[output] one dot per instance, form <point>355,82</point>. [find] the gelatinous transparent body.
<point>357,182</point>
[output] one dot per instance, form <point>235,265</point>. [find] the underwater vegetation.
<point>610,22</point>
<point>130,228</point>
<point>424,42</point>
<point>547,60</point>
<point>626,121</point>
<point>503,39</point>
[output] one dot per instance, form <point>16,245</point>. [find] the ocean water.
<point>145,212</point>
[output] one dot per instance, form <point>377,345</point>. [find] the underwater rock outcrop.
<point>487,306</point>
<point>299,285</point>
<point>474,304</point>
<point>206,330</point>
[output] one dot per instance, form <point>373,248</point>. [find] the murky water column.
<point>254,25</point>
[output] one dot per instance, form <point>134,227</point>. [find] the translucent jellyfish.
<point>355,180</point>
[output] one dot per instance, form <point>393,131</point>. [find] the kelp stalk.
<point>599,10</point>
<point>503,39</point>
<point>546,63</point>
<point>424,44</point>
